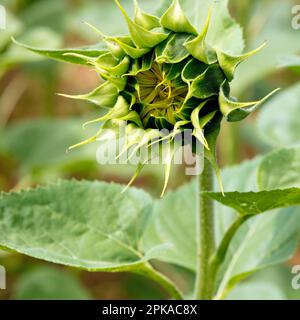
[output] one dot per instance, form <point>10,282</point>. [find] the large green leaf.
<point>45,283</point>
<point>262,241</point>
<point>278,122</point>
<point>252,203</point>
<point>89,225</point>
<point>174,222</point>
<point>224,33</point>
<point>279,182</point>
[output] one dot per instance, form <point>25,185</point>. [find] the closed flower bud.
<point>165,75</point>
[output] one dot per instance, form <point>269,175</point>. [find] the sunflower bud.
<point>165,75</point>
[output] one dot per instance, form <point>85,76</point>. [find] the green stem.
<point>219,256</point>
<point>148,271</point>
<point>205,235</point>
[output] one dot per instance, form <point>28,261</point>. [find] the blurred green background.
<point>37,126</point>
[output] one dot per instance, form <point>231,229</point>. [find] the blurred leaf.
<point>44,283</point>
<point>3,253</point>
<point>253,203</point>
<point>40,36</point>
<point>261,241</point>
<point>105,16</point>
<point>271,22</point>
<point>173,222</point>
<point>256,291</point>
<point>269,284</point>
<point>251,136</point>
<point>280,169</point>
<point>278,122</point>
<point>89,225</point>
<point>40,149</point>
<point>290,61</point>
<point>51,14</point>
<point>282,276</point>
<point>14,26</point>
<point>41,144</point>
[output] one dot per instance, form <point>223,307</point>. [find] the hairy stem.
<point>205,235</point>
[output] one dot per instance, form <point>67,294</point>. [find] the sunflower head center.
<point>160,96</point>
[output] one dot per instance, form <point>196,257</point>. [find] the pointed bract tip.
<point>70,148</point>
<point>13,39</point>
<point>117,2</point>
<point>95,29</point>
<point>85,125</point>
<point>125,189</point>
<point>69,96</point>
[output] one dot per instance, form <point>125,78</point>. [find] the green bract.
<point>163,75</point>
